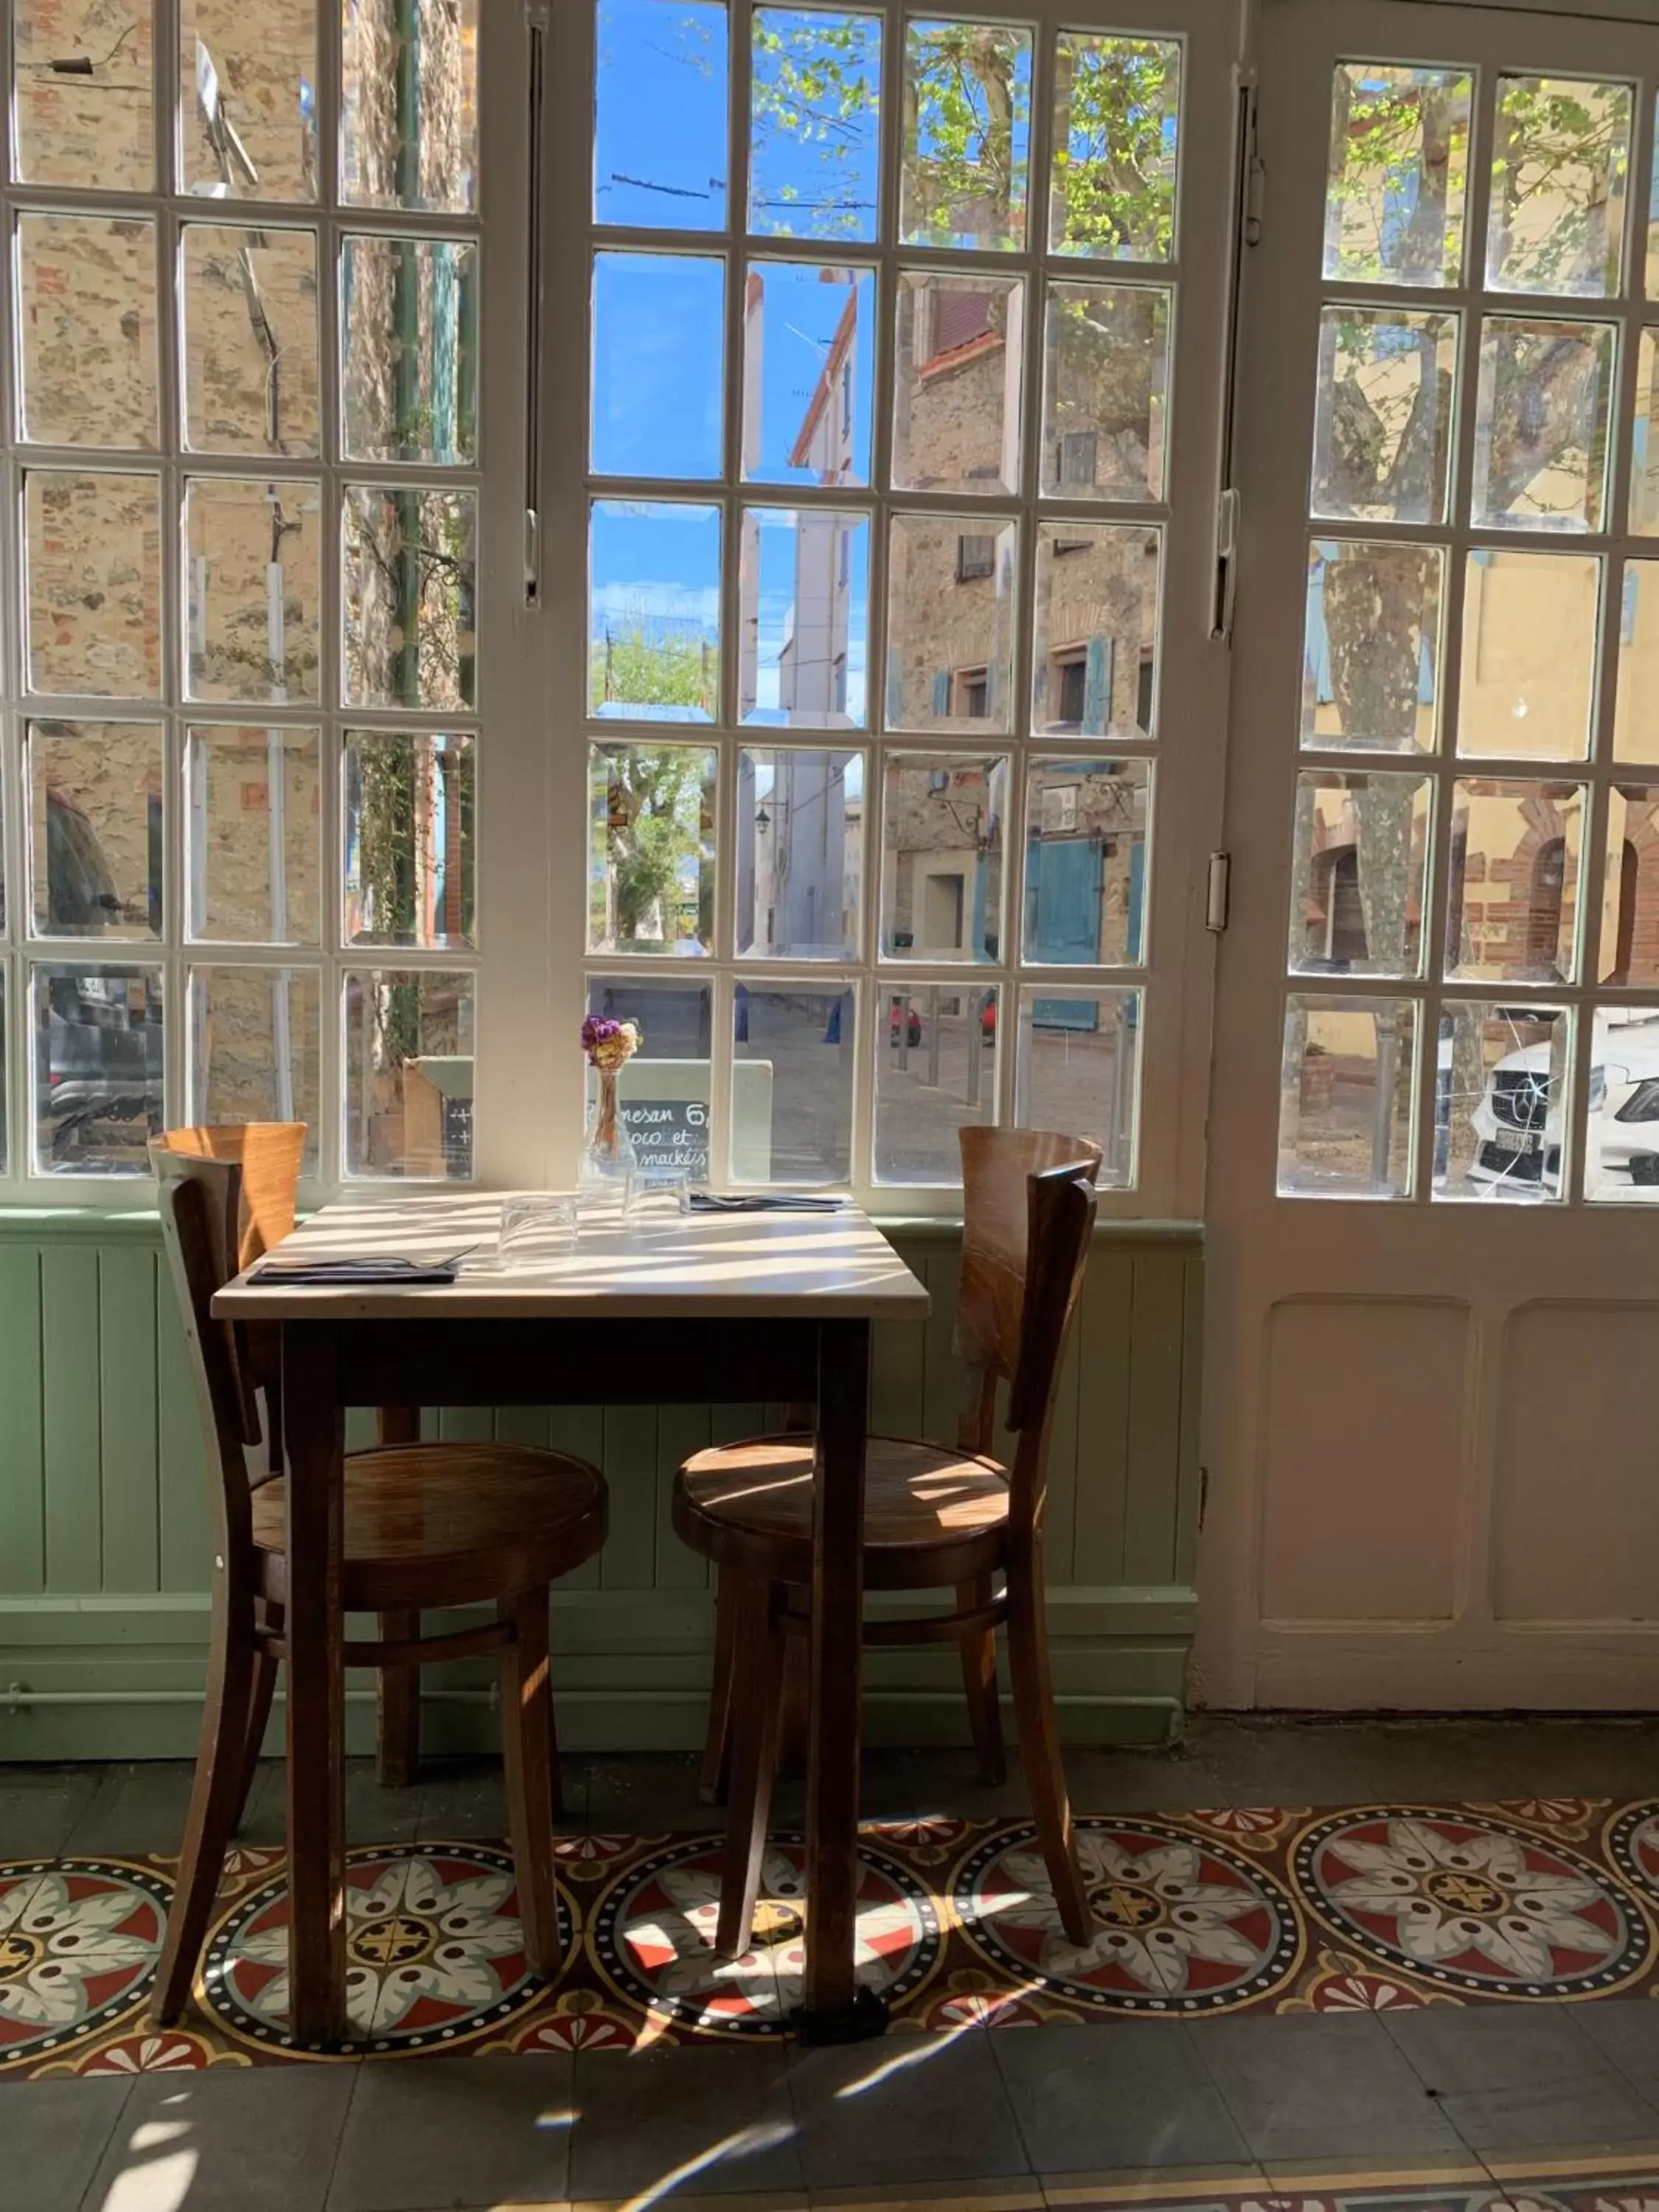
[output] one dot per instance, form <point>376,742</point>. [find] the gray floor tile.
<point>705,2119</point>
<point>1576,1758</point>
<point>1140,1782</point>
<point>1125,2094</point>
<point>1313,2086</point>
<point>229,2140</point>
<point>137,1806</point>
<point>646,1792</point>
<point>948,1781</point>
<point>40,1806</point>
<point>1625,2031</point>
<point>907,2108</point>
<point>456,2131</point>
<point>1471,2049</point>
<point>1599,2111</point>
<point>54,2134</point>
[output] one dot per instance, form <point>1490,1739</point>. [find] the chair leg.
<point>261,1690</point>
<point>755,1706</point>
<point>528,1756</point>
<point>1039,1744</point>
<point>795,1695</point>
<point>398,1706</point>
<point>220,1764</point>
<point>717,1743</point>
<point>979,1683</point>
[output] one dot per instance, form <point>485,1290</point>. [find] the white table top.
<point>665,1267</point>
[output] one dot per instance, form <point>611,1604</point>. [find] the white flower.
<point>51,1945</point>
<point>1154,1913</point>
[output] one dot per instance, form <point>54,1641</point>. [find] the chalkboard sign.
<point>670,1135</point>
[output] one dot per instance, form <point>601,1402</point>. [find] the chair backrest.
<point>200,1202</point>
<point>269,1154</point>
<point>1027,1215</point>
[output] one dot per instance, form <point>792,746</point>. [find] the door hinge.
<point>1219,894</point>
<point>1203,1496</point>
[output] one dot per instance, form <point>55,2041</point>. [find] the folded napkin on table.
<point>359,1267</point>
<point>708,1202</point>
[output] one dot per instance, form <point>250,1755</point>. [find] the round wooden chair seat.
<point>932,1518</point>
<point>432,1525</point>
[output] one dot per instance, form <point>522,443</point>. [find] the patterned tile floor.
<point>1420,1996</point>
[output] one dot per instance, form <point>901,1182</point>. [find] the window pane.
<point>253,835</point>
<point>1371,652</point>
<point>660,148</point>
<point>409,370</point>
<point>658,351</point>
<point>1622,1133</point>
<point>95,807</point>
<point>809,362</point>
<point>1077,1071</point>
<point>400,151</point>
<point>664,1091</point>
<point>1645,446</point>
<point>408,1073</point>
<point>1530,623</point>
<point>936,1072</point>
<point>967,128</point>
<point>254,1047</point>
<point>815,125</point>
<point>653,619</point>
<point>942,816</point>
<point>1653,214</point>
<point>1086,824</point>
<point>1513,914</point>
<point>249,299</point>
<point>1541,425</point>
<point>792,1085</point>
<point>1094,670</point>
<point>97,1062</point>
<point>1559,159</point>
<point>957,383</point>
<point>950,594</point>
<point>1344,1117</point>
<point>804,598</point>
<point>1399,171</point>
<point>1500,1101</point>
<point>411,593</point>
<point>1105,388</point>
<point>86,329</point>
<point>1117,105</point>
<point>410,812</point>
<point>651,853</point>
<point>1629,896</point>
<point>83,94</point>
<point>800,853</point>
<point>1359,874</point>
<point>253,558</point>
<point>1636,724</point>
<point>247,98</point>
<point>92,554</point>
<point>1383,415</point>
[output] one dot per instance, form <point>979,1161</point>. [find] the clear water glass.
<point>537,1226</point>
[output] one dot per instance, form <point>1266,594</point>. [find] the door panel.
<point>1432,1270</point>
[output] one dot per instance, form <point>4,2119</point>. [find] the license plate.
<point>1517,1141</point>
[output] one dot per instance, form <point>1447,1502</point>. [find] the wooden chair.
<point>270,1155</point>
<point>425,1526</point>
<point>934,1519</point>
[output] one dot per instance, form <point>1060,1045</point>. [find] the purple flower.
<point>596,1029</point>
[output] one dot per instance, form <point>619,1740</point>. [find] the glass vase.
<point>608,1155</point>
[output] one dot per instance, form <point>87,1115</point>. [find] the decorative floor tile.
<point>1217,1913</point>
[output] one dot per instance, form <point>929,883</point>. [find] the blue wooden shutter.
<point>1097,688</point>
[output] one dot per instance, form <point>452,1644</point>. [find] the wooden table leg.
<point>835,2010</point>
<point>315,1625</point>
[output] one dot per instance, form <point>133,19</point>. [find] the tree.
<point>658,816</point>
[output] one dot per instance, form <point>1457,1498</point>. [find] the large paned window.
<point>1472,1001</point>
<point>240,570</point>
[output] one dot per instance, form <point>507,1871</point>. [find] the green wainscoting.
<point>103,1555</point>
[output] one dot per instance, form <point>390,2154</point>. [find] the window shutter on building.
<point>942,691</point>
<point>1097,688</point>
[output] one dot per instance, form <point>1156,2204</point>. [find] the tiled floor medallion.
<point>654,1936</point>
<point>1184,1925</point>
<point>435,1952</point>
<point>78,1944</point>
<point>1633,1845</point>
<point>1471,1903</point>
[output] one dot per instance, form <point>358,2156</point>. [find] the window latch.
<point>1219,895</point>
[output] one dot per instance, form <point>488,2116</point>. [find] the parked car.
<point>1520,1126</point>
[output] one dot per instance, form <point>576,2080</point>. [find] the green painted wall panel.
<point>181,1469</point>
<point>681,1431</point>
<point>1101,1483</point>
<point>628,1560</point>
<point>1155,1342</point>
<point>23,1415</point>
<point>129,1444</point>
<point>73,1476</point>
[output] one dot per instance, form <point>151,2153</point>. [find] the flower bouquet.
<point>608,1152</point>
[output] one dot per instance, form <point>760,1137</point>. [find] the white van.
<point>1519,1128</point>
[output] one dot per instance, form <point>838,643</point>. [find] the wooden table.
<point>722,1309</point>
